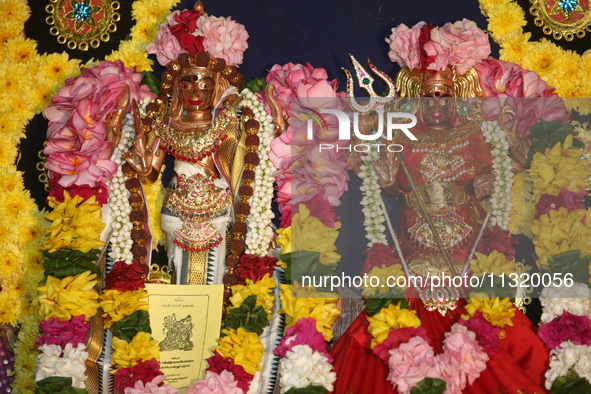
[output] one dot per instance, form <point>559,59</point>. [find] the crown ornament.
<point>376,102</point>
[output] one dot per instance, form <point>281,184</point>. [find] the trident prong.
<point>376,102</point>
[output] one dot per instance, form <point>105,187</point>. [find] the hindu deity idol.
<point>439,179</point>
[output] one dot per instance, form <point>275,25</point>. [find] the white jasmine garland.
<point>503,171</point>
<point>303,367</point>
<point>121,241</point>
<point>567,356</point>
<point>260,232</point>
<point>68,362</point>
<point>371,191</point>
<point>575,299</point>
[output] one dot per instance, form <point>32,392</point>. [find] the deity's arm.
<point>145,159</point>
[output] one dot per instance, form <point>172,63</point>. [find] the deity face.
<point>437,112</point>
<point>437,102</point>
<point>197,88</point>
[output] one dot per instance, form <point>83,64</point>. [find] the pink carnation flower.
<point>404,45</point>
<point>486,333</point>
<point>213,383</point>
<point>461,44</point>
<point>224,38</point>
<point>577,329</point>
<point>462,360</point>
<point>566,198</point>
<point>56,332</point>
<point>410,363</point>
<point>395,338</point>
<point>303,333</point>
<point>153,387</point>
<point>166,47</point>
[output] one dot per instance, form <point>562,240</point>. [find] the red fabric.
<point>520,364</point>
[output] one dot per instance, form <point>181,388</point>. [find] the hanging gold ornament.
<point>562,18</point>
<point>81,24</point>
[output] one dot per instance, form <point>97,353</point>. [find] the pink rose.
<point>397,337</point>
<point>213,383</point>
<point>224,38</point>
<point>461,44</point>
<point>410,363</point>
<point>404,45</point>
<point>166,47</point>
<point>320,208</point>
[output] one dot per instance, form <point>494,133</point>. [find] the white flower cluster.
<point>502,168</point>
<point>371,191</point>
<point>260,232</point>
<point>567,356</point>
<point>575,299</point>
<point>121,241</point>
<point>303,367</point>
<point>67,363</point>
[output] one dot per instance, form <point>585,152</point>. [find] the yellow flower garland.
<point>392,317</point>
<point>28,81</point>
<point>244,347</point>
<point>565,70</point>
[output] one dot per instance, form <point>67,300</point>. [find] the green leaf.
<point>57,384</point>
<point>308,390</point>
<point>249,316</point>
<point>375,305</point>
<point>429,386</point>
<point>151,82</point>
<point>67,262</point>
<point>542,129</point>
<point>569,263</point>
<point>307,264</point>
<point>129,326</point>
<point>570,384</point>
<point>254,85</point>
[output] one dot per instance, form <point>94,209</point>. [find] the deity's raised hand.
<point>279,121</point>
<point>115,118</point>
<point>140,156</point>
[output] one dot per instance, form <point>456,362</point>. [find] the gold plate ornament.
<point>562,18</point>
<point>82,23</point>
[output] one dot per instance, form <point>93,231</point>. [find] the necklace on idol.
<point>443,298</point>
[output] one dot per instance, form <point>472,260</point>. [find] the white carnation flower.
<point>303,367</point>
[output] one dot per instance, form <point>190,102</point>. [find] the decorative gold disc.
<point>82,23</point>
<point>562,18</point>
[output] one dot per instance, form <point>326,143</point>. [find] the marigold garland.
<point>28,82</point>
<point>566,70</point>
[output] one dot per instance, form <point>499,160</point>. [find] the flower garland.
<point>29,80</point>
<point>310,185</point>
<point>259,223</point>
<point>560,180</point>
<point>372,209</point>
<point>563,69</point>
<point>501,200</point>
<point>75,233</point>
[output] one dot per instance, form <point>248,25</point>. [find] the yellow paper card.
<point>186,322</point>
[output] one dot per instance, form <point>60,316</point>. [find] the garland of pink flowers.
<point>79,167</point>
<point>309,184</point>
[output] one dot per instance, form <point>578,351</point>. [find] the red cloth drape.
<point>520,364</point>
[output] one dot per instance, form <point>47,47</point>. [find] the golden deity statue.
<point>200,125</point>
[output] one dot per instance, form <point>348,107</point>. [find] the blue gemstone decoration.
<point>82,11</point>
<point>365,81</point>
<point>408,107</point>
<point>568,5</point>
